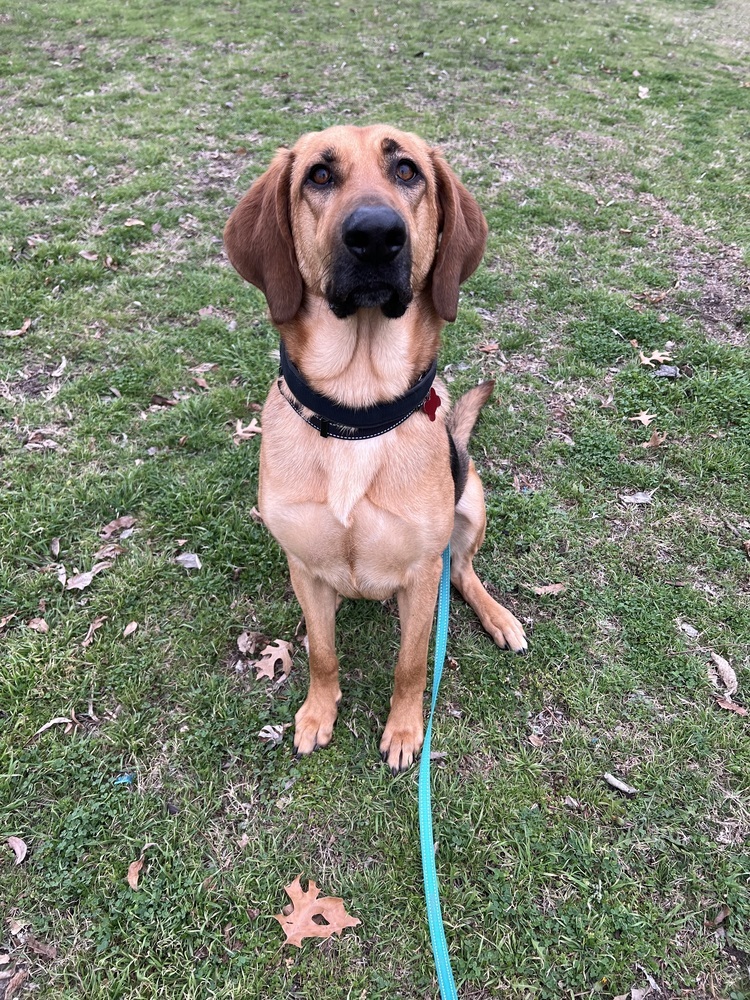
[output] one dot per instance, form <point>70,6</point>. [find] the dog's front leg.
<point>404,730</point>
<point>314,721</point>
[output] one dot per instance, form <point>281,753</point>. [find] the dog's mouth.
<point>392,298</point>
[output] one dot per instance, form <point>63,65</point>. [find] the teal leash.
<point>432,896</point>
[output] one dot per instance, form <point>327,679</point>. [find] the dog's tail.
<point>461,422</point>
<point>465,411</point>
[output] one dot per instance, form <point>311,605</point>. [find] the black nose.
<point>374,234</point>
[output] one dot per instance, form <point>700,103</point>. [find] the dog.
<point>359,238</point>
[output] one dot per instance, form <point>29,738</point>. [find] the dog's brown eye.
<point>320,175</point>
<point>406,171</point>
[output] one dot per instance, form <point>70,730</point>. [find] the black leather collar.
<point>345,422</point>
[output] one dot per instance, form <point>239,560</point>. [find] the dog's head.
<point>365,217</point>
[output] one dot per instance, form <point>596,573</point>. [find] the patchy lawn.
<point>608,146</point>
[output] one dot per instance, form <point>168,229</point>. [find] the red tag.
<point>431,404</point>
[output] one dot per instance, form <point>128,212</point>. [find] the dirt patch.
<point>716,279</point>
<point>29,383</point>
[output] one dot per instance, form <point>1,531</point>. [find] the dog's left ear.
<point>258,240</point>
<point>462,242</point>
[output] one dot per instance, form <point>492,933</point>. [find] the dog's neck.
<point>365,358</point>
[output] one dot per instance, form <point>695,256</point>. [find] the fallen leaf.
<point>642,94</point>
<point>15,984</point>
<point>117,526</point>
<point>247,641</point>
<point>536,741</point>
<point>4,621</point>
<point>17,927</point>
<point>135,867</point>
<point>690,630</point>
<point>133,222</point>
<point>134,873</point>
<point>720,917</point>
<point>726,674</point>
<point>489,347</point>
<point>655,441</point>
<point>18,847</point>
<point>638,498</point>
<point>207,366</point>
<point>245,433</point>
<point>4,959</point>
<point>272,734</point>
<point>54,547</point>
<point>188,560</point>
<point>109,551</point>
<point>643,417</point>
<point>550,588</point>
<point>38,625</point>
<point>60,720</point>
<point>731,706</point>
<point>88,255</point>
<point>300,923</point>
<point>620,786</point>
<point>158,400</point>
<point>110,263</point>
<point>129,629</point>
<point>82,580</point>
<point>24,328</point>
<point>280,650</point>
<point>60,368</point>
<point>96,624</point>
<point>656,357</point>
<point>200,382</point>
<point>40,948</point>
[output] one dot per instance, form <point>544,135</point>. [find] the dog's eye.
<point>320,175</point>
<point>406,171</point>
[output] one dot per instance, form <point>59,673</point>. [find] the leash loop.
<point>432,896</point>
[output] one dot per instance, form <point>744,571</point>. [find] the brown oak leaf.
<point>274,652</point>
<point>301,922</point>
<point>118,525</point>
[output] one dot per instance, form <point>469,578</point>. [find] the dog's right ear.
<point>258,240</point>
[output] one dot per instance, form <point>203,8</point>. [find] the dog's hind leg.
<point>314,720</point>
<point>468,535</point>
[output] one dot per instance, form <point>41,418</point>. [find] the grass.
<point>614,217</point>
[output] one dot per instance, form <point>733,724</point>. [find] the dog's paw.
<point>313,726</point>
<point>505,628</point>
<point>401,741</point>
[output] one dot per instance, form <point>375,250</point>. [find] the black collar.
<point>346,422</point>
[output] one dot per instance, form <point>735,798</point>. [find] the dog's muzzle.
<point>372,267</point>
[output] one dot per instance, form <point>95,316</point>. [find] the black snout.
<point>374,234</point>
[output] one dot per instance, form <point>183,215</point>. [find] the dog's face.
<point>366,217</point>
<point>363,217</point>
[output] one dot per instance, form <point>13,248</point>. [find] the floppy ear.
<point>258,240</point>
<point>464,234</point>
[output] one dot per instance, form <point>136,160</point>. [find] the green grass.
<point>614,217</point>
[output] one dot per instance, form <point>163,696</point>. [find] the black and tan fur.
<point>367,519</point>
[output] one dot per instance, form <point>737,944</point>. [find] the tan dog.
<point>359,239</point>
